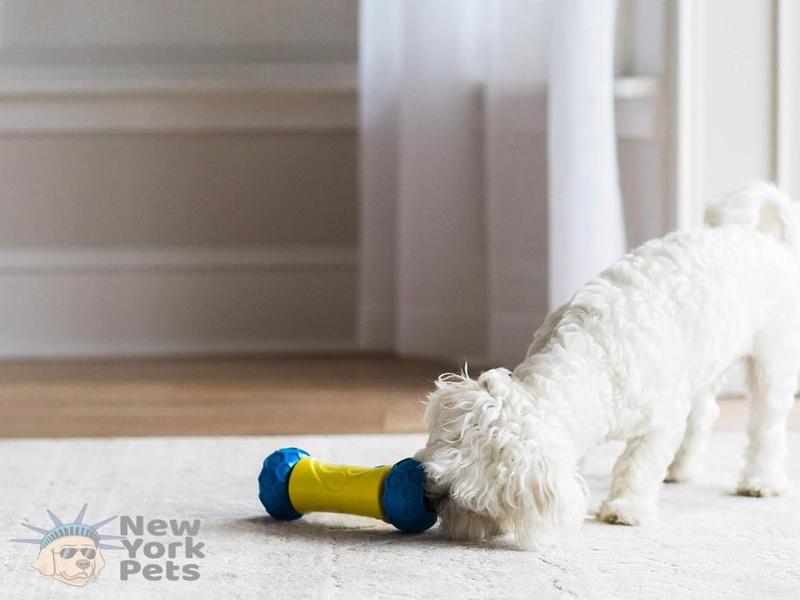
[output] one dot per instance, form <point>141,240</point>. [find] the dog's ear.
<point>45,563</point>
<point>546,498</point>
<point>529,487</point>
<point>99,563</point>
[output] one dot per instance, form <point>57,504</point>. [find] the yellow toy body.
<point>317,486</point>
<point>292,483</point>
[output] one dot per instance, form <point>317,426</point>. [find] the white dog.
<point>636,355</point>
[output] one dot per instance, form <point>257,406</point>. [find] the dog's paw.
<point>758,487</point>
<point>626,511</point>
<point>682,472</point>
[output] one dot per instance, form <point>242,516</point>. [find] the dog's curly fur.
<point>636,355</point>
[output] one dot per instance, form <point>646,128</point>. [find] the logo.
<point>157,549</point>
<point>71,552</point>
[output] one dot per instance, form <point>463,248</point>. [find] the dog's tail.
<point>760,206</point>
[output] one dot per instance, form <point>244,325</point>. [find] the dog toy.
<point>293,483</point>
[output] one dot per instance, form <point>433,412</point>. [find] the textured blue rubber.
<point>273,483</point>
<point>403,497</point>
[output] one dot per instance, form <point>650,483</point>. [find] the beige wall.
<point>176,243</point>
<point>190,30</point>
<point>216,214</point>
<point>178,189</point>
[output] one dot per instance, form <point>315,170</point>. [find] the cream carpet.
<point>708,543</point>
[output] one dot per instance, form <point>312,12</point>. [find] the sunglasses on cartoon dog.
<point>70,552</point>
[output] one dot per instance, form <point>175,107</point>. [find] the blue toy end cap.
<point>273,483</point>
<point>403,497</point>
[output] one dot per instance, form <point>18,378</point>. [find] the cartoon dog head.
<point>72,559</point>
<point>70,552</point>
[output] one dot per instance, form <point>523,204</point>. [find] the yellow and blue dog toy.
<point>292,483</point>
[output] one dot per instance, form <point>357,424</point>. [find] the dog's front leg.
<point>637,477</point>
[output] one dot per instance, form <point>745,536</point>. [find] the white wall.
<point>788,97</point>
<point>737,102</point>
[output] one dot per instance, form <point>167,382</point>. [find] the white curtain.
<point>462,253</point>
<point>586,225</point>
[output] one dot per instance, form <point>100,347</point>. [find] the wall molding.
<point>638,108</point>
<point>234,97</point>
<point>192,258</point>
<point>105,349</point>
<point>198,97</point>
<point>122,302</point>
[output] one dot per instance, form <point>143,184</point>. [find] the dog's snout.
<point>83,564</point>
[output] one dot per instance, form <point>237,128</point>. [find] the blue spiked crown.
<point>74,527</point>
<point>66,529</point>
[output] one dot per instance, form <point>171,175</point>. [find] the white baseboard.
<point>123,302</point>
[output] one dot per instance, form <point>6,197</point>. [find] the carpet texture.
<point>708,543</point>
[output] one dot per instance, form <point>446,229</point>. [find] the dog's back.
<point>674,313</point>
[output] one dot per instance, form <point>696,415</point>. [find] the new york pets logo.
<point>156,549</point>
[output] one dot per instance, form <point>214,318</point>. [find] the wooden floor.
<point>213,396</point>
<point>227,397</point>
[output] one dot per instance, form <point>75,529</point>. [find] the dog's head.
<point>497,463</point>
<point>72,559</point>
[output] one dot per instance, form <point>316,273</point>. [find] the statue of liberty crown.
<point>74,527</point>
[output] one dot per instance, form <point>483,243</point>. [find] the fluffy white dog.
<point>636,355</point>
